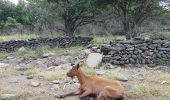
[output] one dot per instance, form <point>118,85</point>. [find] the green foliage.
<point>11,14</point>
<point>74,13</point>
<point>11,22</point>
<point>162,62</point>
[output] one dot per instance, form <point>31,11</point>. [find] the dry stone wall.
<point>34,43</point>
<point>137,51</point>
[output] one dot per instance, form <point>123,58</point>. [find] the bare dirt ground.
<point>32,79</point>
<point>16,82</point>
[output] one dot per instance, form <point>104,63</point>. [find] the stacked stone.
<point>137,51</point>
<point>34,43</point>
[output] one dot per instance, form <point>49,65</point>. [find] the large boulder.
<point>94,59</point>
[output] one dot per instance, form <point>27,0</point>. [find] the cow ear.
<point>79,65</point>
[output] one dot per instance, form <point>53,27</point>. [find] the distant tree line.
<point>68,16</point>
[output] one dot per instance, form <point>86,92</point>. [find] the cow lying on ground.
<point>104,89</point>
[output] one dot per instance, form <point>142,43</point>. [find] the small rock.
<point>30,77</point>
<point>118,69</point>
<point>48,54</point>
<point>122,78</point>
<point>22,68</point>
<point>110,66</point>
<point>95,47</point>
<point>10,57</point>
<point>42,92</point>
<point>55,87</point>
<point>51,67</point>
<point>87,51</point>
<point>7,96</point>
<point>21,49</point>
<point>94,59</point>
<point>138,76</point>
<point>100,72</point>
<point>35,83</point>
<point>41,64</point>
<point>63,66</point>
<point>76,84</point>
<point>164,82</point>
<point>2,65</point>
<point>56,82</point>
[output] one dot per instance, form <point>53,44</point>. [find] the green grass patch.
<point>106,39</point>
<point>162,62</point>
<point>89,71</point>
<point>28,53</point>
<point>3,54</point>
<point>149,35</point>
<point>17,37</point>
<point>44,49</point>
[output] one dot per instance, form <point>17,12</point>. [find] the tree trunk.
<point>69,28</point>
<point>126,29</point>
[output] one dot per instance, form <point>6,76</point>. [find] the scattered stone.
<point>110,66</point>
<point>122,78</point>
<point>48,54</point>
<point>94,59</point>
<point>164,82</point>
<point>2,65</point>
<point>30,77</point>
<point>100,72</point>
<point>87,51</point>
<point>118,69</point>
<point>7,96</point>
<point>138,76</point>
<point>21,49</point>
<point>20,68</point>
<point>35,83</point>
<point>42,66</point>
<point>62,60</point>
<point>56,82</point>
<point>10,57</point>
<point>51,67</point>
<point>63,66</point>
<point>55,87</point>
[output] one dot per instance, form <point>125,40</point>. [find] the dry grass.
<point>148,89</point>
<point>1,91</point>
<point>54,75</point>
<point>22,95</point>
<point>157,76</point>
<point>7,72</point>
<point>31,71</point>
<point>106,39</point>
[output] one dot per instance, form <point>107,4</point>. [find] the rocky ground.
<point>43,78</point>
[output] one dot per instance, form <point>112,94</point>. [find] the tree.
<point>133,13</point>
<point>74,13</point>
